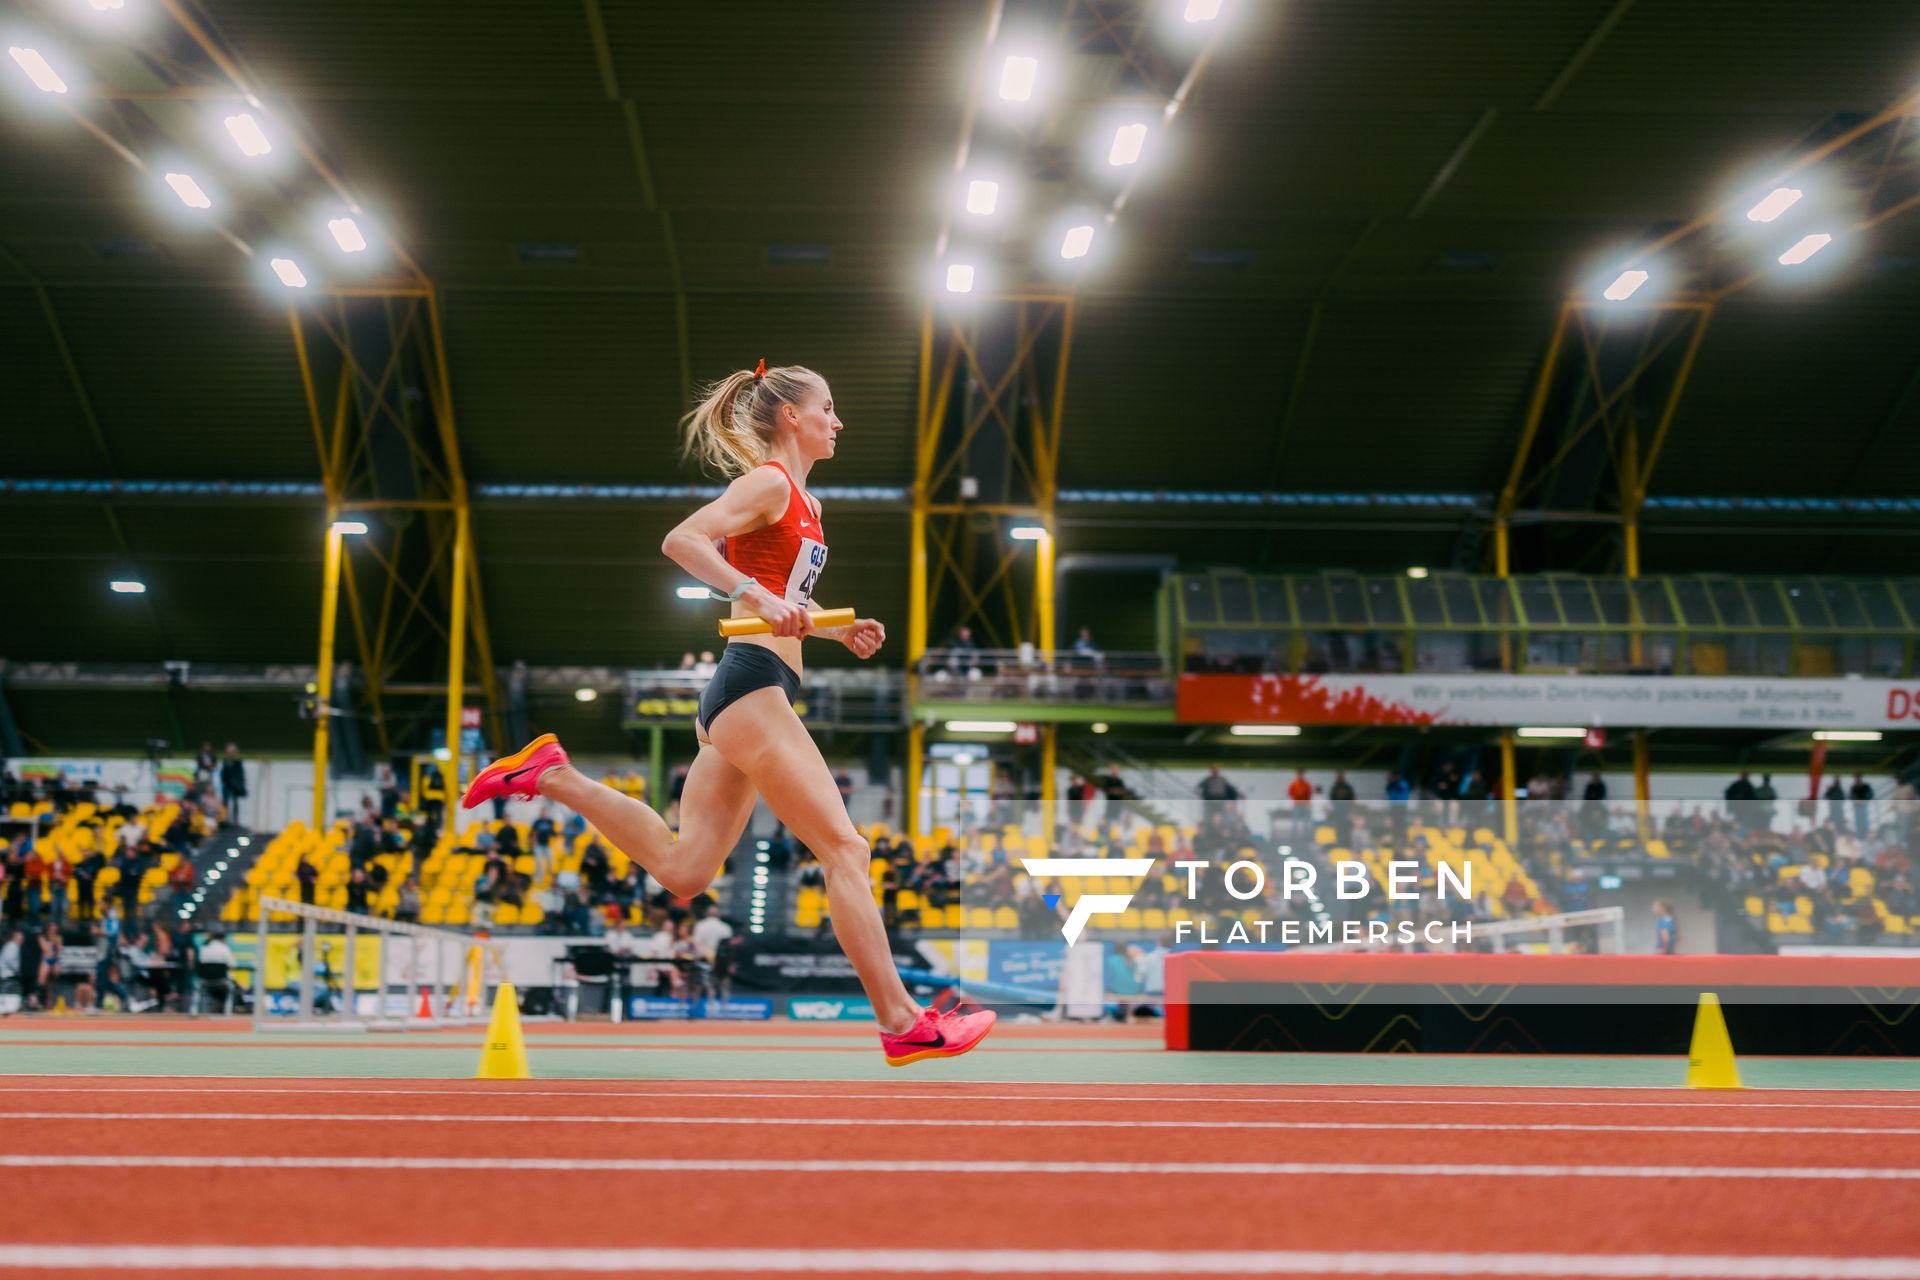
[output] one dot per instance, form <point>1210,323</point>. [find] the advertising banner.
<point>656,1009</point>
<point>830,1009</point>
<point>1703,702</point>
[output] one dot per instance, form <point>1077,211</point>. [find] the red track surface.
<point>1788,1212</point>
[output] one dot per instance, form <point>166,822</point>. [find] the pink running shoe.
<point>937,1034</point>
<point>515,775</point>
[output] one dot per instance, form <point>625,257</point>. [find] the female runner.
<point>761,546</point>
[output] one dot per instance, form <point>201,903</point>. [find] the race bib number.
<point>806,571</point>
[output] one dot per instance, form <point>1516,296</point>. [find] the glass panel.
<point>1886,656</point>
<point>1655,609</point>
<point>1310,597</point>
<point>1910,597</point>
<point>1271,595</point>
<point>1424,595</point>
<point>1695,609</point>
<point>1615,608</point>
<point>1809,610</point>
<point>1877,601</point>
<point>1236,600</point>
<point>1576,601</point>
<point>1843,605</point>
<point>1383,597</point>
<point>1769,610</point>
<point>1348,605</point>
<point>1462,609</point>
<point>1496,602</point>
<point>1196,593</point>
<point>1537,602</point>
<point>1732,602</point>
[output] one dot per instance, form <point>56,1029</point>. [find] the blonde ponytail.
<point>733,428</point>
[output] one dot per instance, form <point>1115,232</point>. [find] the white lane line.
<point>1609,1266</point>
<point>1276,1169</point>
<point>1338,1126</point>
<point>656,1095</point>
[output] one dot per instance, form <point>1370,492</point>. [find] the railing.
<point>1022,675</point>
<point>1663,625</point>
<point>866,698</point>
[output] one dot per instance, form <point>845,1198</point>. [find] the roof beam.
<point>637,143</point>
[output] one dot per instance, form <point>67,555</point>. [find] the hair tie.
<point>761,372</point>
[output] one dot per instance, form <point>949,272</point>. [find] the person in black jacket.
<point>233,783</point>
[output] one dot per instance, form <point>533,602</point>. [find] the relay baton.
<point>760,626</point>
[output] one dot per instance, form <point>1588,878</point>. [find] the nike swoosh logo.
<point>517,772</point>
<point>939,1041</point>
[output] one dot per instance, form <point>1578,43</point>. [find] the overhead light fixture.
<point>1128,141</point>
<point>105,6</point>
<point>43,76</point>
<point>289,272</point>
<point>1550,731</point>
<point>983,196</point>
<point>1805,248</point>
<point>1099,726</point>
<point>1623,287</point>
<point>189,191</point>
<point>585,694</point>
<point>1027,533</point>
<point>128,587</point>
<point>346,234</point>
<point>349,526</point>
<point>1416,571</point>
<point>1017,76</point>
<point>959,277</point>
<point>1265,730</point>
<point>441,753</point>
<point>247,135</point>
<point>1078,241</point>
<point>1202,10</point>
<point>693,593</point>
<point>1847,735</point>
<point>979,726</point>
<point>1775,203</point>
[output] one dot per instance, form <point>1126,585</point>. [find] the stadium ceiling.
<point>1339,279</point>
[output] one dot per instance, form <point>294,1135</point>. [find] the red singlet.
<point>787,556</point>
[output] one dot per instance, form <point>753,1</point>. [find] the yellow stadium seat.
<point>1006,918</point>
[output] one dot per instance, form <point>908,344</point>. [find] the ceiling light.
<point>246,133</point>
<point>289,272</point>
<point>189,191</point>
<point>354,527</point>
<point>346,234</point>
<point>1078,241</point>
<point>1805,248</point>
<point>1623,288</point>
<point>441,753</point>
<point>42,75</point>
<point>104,5</point>
<point>1265,730</point>
<point>128,587</point>
<point>1128,140</point>
<point>1550,731</point>
<point>979,726</point>
<point>959,278</point>
<point>692,593</point>
<point>1416,571</point>
<point>1099,726</point>
<point>1016,78</point>
<point>1777,202</point>
<point>982,196</point>
<point>1202,10</point>
<point>585,695</point>
<point>1027,533</point>
<point>1847,735</point>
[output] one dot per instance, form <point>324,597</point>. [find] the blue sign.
<point>656,1009</point>
<point>1033,966</point>
<point>830,1008</point>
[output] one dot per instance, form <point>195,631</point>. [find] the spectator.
<point>10,970</point>
<point>1666,930</point>
<point>85,877</point>
<point>711,932</point>
<point>1593,808</point>
<point>205,765</point>
<point>1861,793</point>
<point>1300,794</point>
<point>1836,797</point>
<point>1084,647</point>
<point>365,844</point>
<point>706,666</point>
<point>1399,793</point>
<point>357,891</point>
<point>407,903</point>
<point>308,876</point>
<point>1740,796</point>
<point>1215,789</point>
<point>963,655</point>
<point>1765,798</point>
<point>133,868</point>
<point>59,876</point>
<point>388,783</point>
<point>433,795</point>
<point>233,783</point>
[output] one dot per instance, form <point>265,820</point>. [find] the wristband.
<point>738,591</point>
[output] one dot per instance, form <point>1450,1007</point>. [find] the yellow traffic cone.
<point>1710,1062</point>
<point>505,1054</point>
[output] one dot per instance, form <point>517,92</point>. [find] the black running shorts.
<point>744,668</point>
